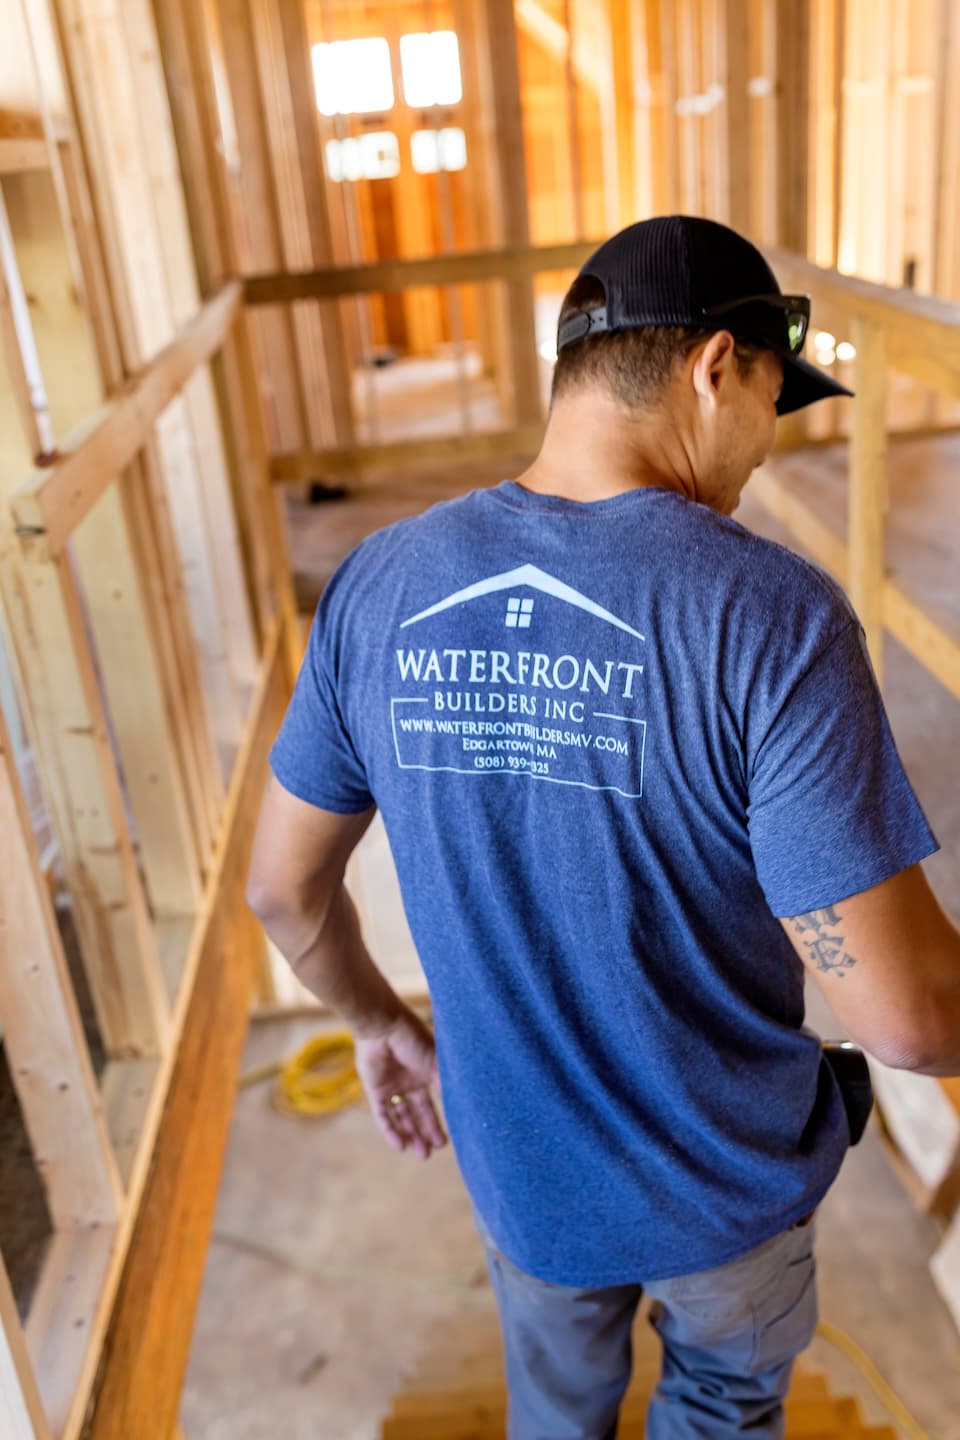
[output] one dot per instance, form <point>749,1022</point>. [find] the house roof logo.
<point>537,579</point>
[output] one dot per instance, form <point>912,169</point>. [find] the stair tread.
<point>476,1412</point>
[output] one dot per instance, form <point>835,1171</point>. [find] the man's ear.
<point>713,365</point>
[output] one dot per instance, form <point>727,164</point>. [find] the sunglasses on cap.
<point>777,321</point>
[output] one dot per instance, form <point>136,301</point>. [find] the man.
<point>613,735</point>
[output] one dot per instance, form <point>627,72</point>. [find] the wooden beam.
<point>43,1035</point>
<point>792,133</point>
<point>145,1351</point>
<point>736,112</point>
<point>868,487</point>
<point>297,468</point>
<point>511,263</point>
<point>55,498</point>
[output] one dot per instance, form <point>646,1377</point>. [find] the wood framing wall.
<point>150,639</point>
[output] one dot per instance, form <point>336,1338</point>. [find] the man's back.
<point>610,743</point>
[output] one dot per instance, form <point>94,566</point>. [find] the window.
<point>519,613</point>
<point>375,156</point>
<point>353,77</point>
<point>433,150</point>
<point>430,65</point>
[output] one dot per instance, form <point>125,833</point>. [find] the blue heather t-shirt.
<point>611,742</point>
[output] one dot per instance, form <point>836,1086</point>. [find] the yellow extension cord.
<point>322,1078</point>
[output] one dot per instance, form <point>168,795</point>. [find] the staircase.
<point>458,1393</point>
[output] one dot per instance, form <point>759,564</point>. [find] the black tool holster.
<point>849,1065</point>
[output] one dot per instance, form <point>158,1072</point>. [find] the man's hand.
<point>401,1061</point>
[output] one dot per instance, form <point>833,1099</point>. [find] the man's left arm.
<point>296,888</point>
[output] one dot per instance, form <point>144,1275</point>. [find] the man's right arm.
<point>888,963</point>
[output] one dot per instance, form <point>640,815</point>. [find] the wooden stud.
<point>763,121</point>
<point>145,1351</point>
<point>496,39</point>
<point>254,210</point>
<point>573,120</point>
<point>294,468</point>
<point>736,111</point>
<point>619,22</point>
<point>948,152</point>
<point>186,46</point>
<point>868,486</point>
<point>290,110</point>
<point>792,135</point>
<point>655,148</point>
<point>43,1035</point>
<point>265,509</point>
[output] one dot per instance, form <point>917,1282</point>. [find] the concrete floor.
<point>333,1259</point>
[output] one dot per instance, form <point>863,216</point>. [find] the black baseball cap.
<point>684,270</point>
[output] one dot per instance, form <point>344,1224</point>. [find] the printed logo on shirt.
<point>555,713</point>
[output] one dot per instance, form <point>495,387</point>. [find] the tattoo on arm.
<point>820,930</point>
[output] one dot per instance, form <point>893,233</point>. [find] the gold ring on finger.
<point>397,1099</point>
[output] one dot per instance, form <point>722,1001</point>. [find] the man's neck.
<point>593,450</point>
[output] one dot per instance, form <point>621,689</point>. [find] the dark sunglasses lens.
<point>796,330</point>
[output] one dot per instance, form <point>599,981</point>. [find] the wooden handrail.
<point>467,267</point>
<point>55,497</point>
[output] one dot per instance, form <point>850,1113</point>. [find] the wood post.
<point>43,1036</point>
<point>493,31</point>
<point>792,137</point>
<point>736,112</point>
<point>868,486</point>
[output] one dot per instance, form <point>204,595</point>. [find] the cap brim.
<point>803,383</point>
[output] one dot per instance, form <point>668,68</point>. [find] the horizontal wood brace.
<point>56,496</point>
<point>468,267</point>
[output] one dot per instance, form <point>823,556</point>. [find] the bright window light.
<point>375,156</point>
<point>433,150</point>
<point>353,77</point>
<point>430,64</point>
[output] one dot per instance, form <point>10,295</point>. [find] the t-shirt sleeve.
<point>313,755</point>
<point>831,811</point>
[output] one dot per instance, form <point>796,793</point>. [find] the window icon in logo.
<point>519,613</point>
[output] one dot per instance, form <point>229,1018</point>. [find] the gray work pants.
<point>729,1338</point>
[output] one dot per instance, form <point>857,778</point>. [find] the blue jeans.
<point>729,1338</point>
